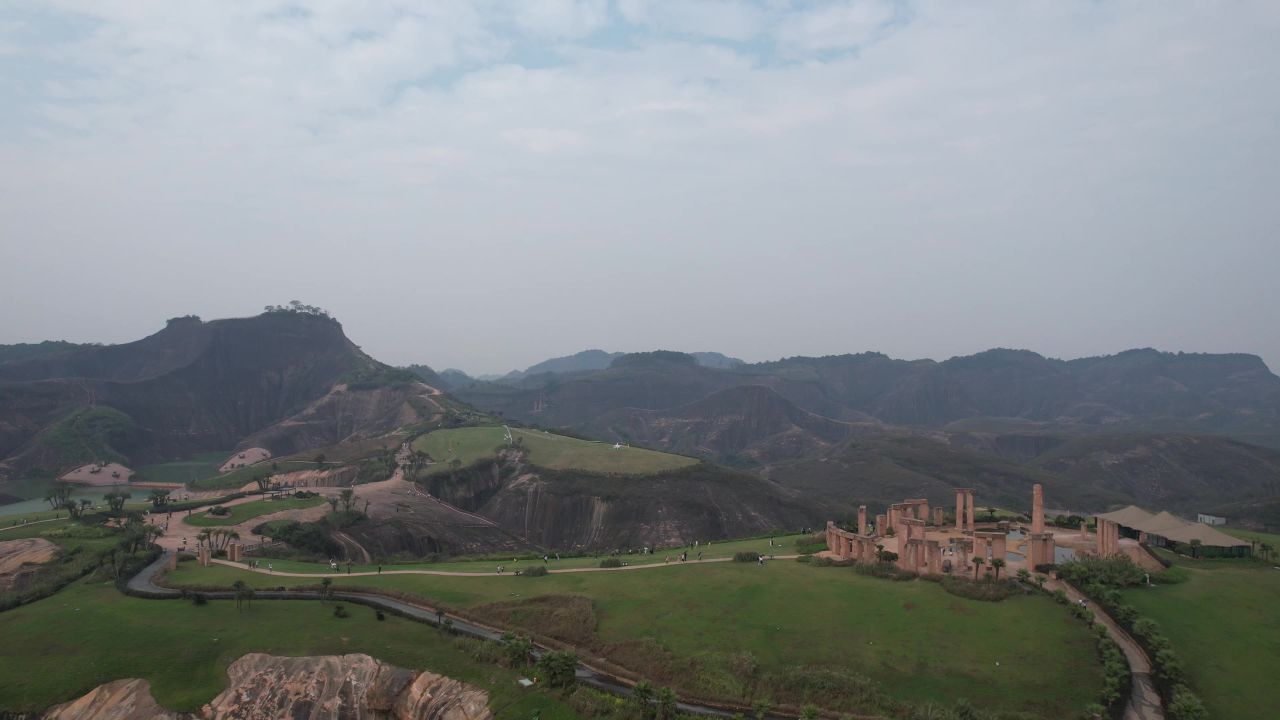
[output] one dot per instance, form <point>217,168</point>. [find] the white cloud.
<point>1048,173</point>
<point>835,26</point>
<point>721,19</point>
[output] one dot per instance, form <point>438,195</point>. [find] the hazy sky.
<point>483,185</point>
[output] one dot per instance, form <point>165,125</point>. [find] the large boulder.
<point>117,700</point>
<point>329,687</point>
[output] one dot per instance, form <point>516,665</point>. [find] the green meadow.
<point>555,452</point>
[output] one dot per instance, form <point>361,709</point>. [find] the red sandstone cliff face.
<point>331,687</point>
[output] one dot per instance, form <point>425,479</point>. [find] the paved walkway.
<point>1144,701</point>
<point>457,573</point>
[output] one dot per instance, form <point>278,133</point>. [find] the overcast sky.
<point>483,185</point>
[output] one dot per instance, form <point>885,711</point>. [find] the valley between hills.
<point>656,519</point>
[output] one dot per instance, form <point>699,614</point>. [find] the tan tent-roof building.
<point>1165,528</point>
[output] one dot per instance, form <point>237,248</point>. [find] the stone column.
<point>998,548</point>
<point>939,515</point>
<point>923,511</point>
<point>882,524</point>
<point>862,519</point>
<point>969,509</point>
<point>959,510</point>
<point>1037,508</point>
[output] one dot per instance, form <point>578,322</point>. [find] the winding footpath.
<point>1144,701</point>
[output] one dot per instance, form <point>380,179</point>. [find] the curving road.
<point>143,585</point>
<point>1144,701</point>
<point>456,573</point>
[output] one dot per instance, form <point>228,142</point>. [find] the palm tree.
<point>1024,575</point>
<point>1266,549</point>
<point>879,552</point>
<point>240,588</point>
<point>642,698</point>
<point>991,513</point>
<point>977,564</point>
<point>666,704</point>
<point>1195,547</point>
<point>326,589</point>
<point>1041,580</point>
<point>997,563</point>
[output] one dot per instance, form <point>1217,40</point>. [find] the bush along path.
<point>143,585</point>
<point>1144,701</point>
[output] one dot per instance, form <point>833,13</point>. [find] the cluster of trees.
<point>297,307</point>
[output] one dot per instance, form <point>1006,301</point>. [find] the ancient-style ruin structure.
<point>924,544</point>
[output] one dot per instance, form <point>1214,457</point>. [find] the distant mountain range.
<point>1178,430</point>
<point>816,435</point>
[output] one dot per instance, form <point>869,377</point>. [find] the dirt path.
<point>1144,701</point>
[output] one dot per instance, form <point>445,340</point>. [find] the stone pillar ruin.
<point>959,510</point>
<point>1037,508</point>
<point>204,556</point>
<point>969,509</point>
<point>939,516</point>
<point>882,523</point>
<point>1041,550</point>
<point>862,519</point>
<point>233,552</point>
<point>934,555</point>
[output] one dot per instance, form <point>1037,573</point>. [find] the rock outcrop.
<point>117,700</point>
<point>20,558</point>
<point>329,687</point>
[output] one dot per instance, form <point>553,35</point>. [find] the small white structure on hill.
<point>1210,519</point>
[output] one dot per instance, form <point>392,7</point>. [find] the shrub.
<point>199,599</point>
<point>535,571</point>
<point>885,570</point>
<point>746,557</point>
<point>339,611</point>
<point>988,591</point>
<point>612,562</point>
<point>219,511</point>
<point>1060,596</point>
<point>558,668</point>
<point>1184,705</point>
<point>821,562</point>
<point>379,614</point>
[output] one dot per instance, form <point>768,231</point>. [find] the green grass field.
<point>199,467</point>
<point>917,641</point>
<point>250,510</point>
<point>1224,622</point>
<point>555,452</point>
<point>1254,535</point>
<point>785,545</point>
<point>58,648</point>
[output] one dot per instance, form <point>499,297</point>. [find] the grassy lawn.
<point>198,467</point>
<point>1254,535</point>
<point>556,452</point>
<point>1224,622</point>
<point>250,510</point>
<point>61,647</point>
<point>785,546</point>
<point>917,641</point>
